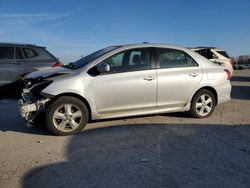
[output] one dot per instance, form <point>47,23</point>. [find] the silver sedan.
<point>121,81</point>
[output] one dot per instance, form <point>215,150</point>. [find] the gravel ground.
<point>171,150</point>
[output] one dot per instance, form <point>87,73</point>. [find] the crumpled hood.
<point>49,73</point>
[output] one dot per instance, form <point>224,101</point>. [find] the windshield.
<point>85,60</point>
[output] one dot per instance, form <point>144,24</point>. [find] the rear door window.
<point>171,58</point>
<point>6,53</point>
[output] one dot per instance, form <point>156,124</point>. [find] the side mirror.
<point>103,68</point>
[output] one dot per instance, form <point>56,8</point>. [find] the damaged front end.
<point>33,101</point>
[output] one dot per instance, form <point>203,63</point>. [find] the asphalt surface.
<point>171,150</point>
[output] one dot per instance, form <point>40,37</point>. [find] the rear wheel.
<point>203,104</point>
<point>66,116</point>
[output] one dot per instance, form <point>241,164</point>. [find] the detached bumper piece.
<point>30,111</point>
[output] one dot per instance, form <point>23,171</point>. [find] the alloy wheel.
<point>67,117</point>
<point>204,105</point>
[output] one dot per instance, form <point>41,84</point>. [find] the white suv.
<point>216,55</point>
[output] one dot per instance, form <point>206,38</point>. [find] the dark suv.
<point>17,60</point>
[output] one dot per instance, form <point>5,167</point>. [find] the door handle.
<point>194,74</point>
<point>149,78</point>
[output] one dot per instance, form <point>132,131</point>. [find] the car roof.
<point>19,44</point>
<point>206,47</point>
<point>146,44</point>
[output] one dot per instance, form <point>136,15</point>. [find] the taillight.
<point>232,62</point>
<point>228,74</point>
<point>57,64</point>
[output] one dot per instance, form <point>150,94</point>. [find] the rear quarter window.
<point>38,53</point>
<point>223,53</point>
<point>43,54</point>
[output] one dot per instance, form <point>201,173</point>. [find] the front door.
<point>130,85</point>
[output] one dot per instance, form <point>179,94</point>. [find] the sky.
<point>74,28</point>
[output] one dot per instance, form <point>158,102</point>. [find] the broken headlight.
<point>37,88</point>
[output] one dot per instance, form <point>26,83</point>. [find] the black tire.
<point>194,111</point>
<point>60,102</point>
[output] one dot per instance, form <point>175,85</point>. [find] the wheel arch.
<point>211,89</point>
<point>81,98</point>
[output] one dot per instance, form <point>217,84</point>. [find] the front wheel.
<point>203,104</point>
<point>66,116</point>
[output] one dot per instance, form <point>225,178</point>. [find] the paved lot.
<point>171,150</point>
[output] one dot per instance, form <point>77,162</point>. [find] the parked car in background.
<point>240,66</point>
<point>126,80</point>
<point>17,60</point>
<point>216,55</point>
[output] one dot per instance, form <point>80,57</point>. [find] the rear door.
<point>10,64</point>
<point>178,75</point>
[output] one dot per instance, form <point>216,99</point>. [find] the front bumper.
<point>30,111</point>
<point>24,108</point>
